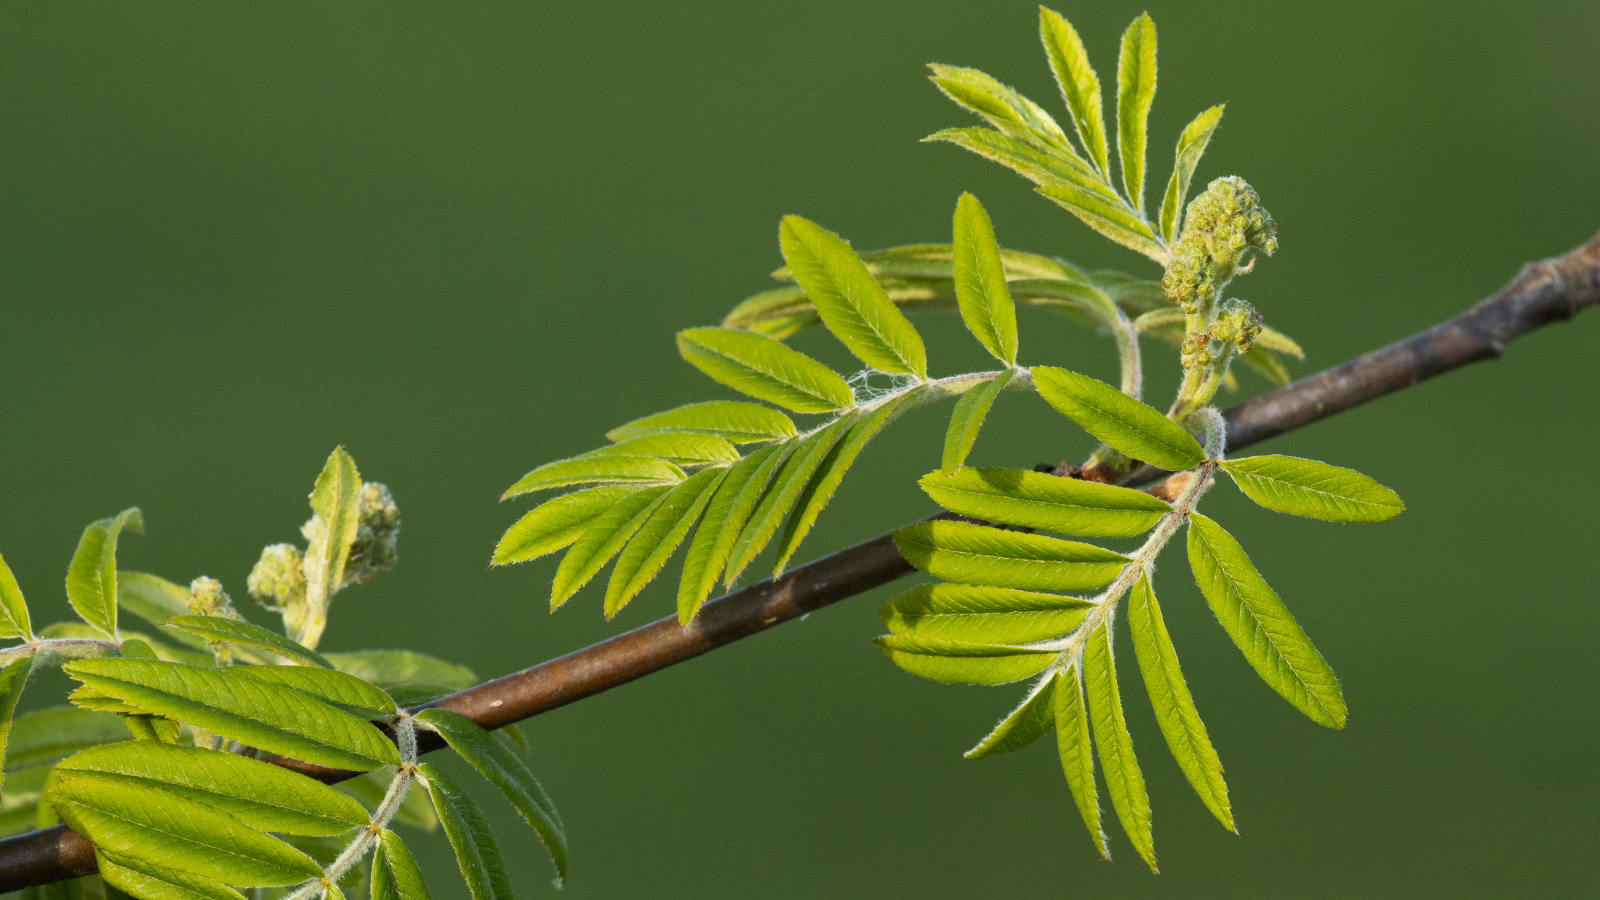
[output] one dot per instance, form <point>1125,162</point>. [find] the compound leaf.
<point>1261,626</point>
<point>1124,782</point>
<point>477,852</point>
<point>1026,724</point>
<point>601,541</point>
<point>984,615</point>
<point>637,471</point>
<point>506,771</point>
<point>237,631</point>
<point>1174,707</point>
<point>332,687</point>
<point>395,875</point>
<point>765,369</point>
<point>259,794</point>
<point>967,419</point>
<point>148,881</point>
<point>1077,753</point>
<point>781,493</point>
<point>1080,86</point>
<point>1044,501</point>
<point>963,662</point>
<point>719,528</point>
<point>658,537</point>
<point>1119,421</point>
<point>13,609</point>
<point>977,554</point>
<point>732,420</point>
<point>92,575</point>
<point>1191,146</point>
<point>851,302</point>
<point>980,280</point>
<point>1136,90</point>
<point>141,822</point>
<point>1305,487</point>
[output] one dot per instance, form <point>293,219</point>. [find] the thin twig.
<point>1543,292</point>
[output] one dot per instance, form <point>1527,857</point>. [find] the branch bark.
<point>1547,291</point>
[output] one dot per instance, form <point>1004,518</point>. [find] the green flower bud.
<point>278,581</point>
<point>1219,226</point>
<point>376,547</point>
<point>207,598</point>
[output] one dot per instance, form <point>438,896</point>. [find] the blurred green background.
<point>458,239</point>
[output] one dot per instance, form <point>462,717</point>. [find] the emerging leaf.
<point>1305,487</point>
<point>1044,501</point>
<point>237,631</point>
<point>1261,626</point>
<point>395,875</point>
<point>1026,724</point>
<point>765,369</point>
<point>967,419</point>
<point>983,615</point>
<point>980,280</point>
<point>92,576</point>
<point>601,541</point>
<point>1191,146</point>
<point>977,554</point>
<point>732,420</point>
<point>1124,782</point>
<point>659,536</point>
<point>336,516</point>
<point>1136,90</point>
<point>13,609</point>
<point>961,662</point>
<point>1121,422</point>
<point>1080,87</point>
<point>477,852</point>
<point>1001,106</point>
<point>1077,753</point>
<point>636,471</point>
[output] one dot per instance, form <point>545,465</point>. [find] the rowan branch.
<point>1547,291</point>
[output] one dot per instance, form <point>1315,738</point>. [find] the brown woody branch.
<point>1551,290</point>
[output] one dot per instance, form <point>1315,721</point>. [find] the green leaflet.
<point>658,537</point>
<point>601,541</point>
<point>967,418</point>
<point>962,662</point>
<point>334,688</point>
<point>42,737</point>
<point>370,788</point>
<point>1121,422</point>
<point>765,369</point>
<point>555,524</point>
<point>984,615</point>
<point>819,490</point>
<point>1044,501</point>
<point>140,822</point>
<point>477,852</point>
<point>977,554</point>
<point>852,304</point>
<point>1026,724</point>
<point>719,528</point>
<point>1136,89</point>
<point>1080,87</point>
<point>980,280</point>
<point>12,680</point>
<point>235,705</point>
<point>1077,753</point>
<point>778,303</point>
<point>1261,626</point>
<point>390,667</point>
<point>13,609</point>
<point>732,420</point>
<point>1124,782</point>
<point>1191,146</point>
<point>506,771</point>
<point>259,794</point>
<point>1305,487</point>
<point>152,882</point>
<point>80,631</point>
<point>395,875</point>
<point>92,576</point>
<point>686,449</point>
<point>781,493</point>
<point>1002,107</point>
<point>336,510</point>
<point>236,631</point>
<point>1174,707</point>
<point>1115,220</point>
<point>1039,166</point>
<point>637,471</point>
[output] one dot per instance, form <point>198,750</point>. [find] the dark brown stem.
<point>1552,290</point>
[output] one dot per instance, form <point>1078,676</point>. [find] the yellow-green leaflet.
<point>506,771</point>
<point>1077,753</point>
<point>985,615</point>
<point>12,679</point>
<point>1002,107</point>
<point>732,420</point>
<point>391,667</point>
<point>477,852</point>
<point>1121,422</point>
<point>1114,219</point>
<point>687,449</point>
<point>235,631</point>
<point>1174,707</point>
<point>336,505</point>
<point>967,418</point>
<point>639,471</point>
<point>1261,626</point>
<point>13,608</point>
<point>555,524</point>
<point>977,554</point>
<point>141,822</point>
<point>1039,166</point>
<point>148,881</point>
<point>1026,724</point>
<point>395,875</point>
<point>1124,782</point>
<point>92,575</point>
<point>963,662</point>
<point>1136,90</point>
<point>852,304</point>
<point>782,492</point>
<point>601,541</point>
<point>1080,86</point>
<point>1305,487</point>
<point>258,713</point>
<point>980,280</point>
<point>1191,146</point>
<point>765,369</point>
<point>719,528</point>
<point>1044,501</point>
<point>335,688</point>
<point>258,794</point>
<point>658,537</point>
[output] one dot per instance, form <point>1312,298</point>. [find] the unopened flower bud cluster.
<point>1219,226</point>
<point>377,536</point>
<point>207,598</point>
<point>1236,327</point>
